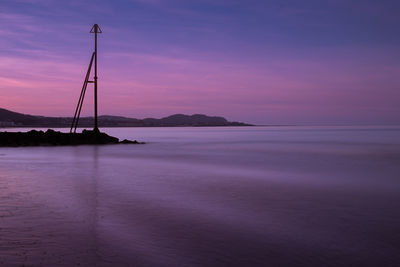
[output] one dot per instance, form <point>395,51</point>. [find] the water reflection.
<point>215,197</point>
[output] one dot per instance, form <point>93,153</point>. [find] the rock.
<point>53,138</point>
<point>126,141</point>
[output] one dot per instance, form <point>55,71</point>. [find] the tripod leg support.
<point>78,109</point>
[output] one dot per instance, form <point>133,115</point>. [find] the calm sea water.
<point>234,196</point>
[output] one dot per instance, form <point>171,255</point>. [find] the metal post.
<point>96,27</point>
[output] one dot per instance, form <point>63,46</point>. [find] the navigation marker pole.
<point>95,29</point>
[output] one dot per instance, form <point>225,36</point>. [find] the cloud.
<point>245,60</point>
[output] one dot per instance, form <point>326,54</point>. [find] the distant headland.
<point>13,119</point>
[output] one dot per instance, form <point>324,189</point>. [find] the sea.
<point>206,196</point>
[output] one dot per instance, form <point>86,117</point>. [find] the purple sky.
<point>264,62</point>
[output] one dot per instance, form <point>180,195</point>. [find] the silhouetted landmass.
<point>53,138</point>
<point>14,119</point>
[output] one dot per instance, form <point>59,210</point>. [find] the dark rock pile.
<point>53,138</point>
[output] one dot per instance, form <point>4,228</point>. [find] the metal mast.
<point>95,29</point>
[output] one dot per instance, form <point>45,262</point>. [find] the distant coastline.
<point>9,119</point>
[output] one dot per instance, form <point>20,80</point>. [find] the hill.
<point>13,119</point>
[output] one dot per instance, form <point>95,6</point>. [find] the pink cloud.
<point>277,90</point>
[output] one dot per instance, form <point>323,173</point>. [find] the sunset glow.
<point>263,62</point>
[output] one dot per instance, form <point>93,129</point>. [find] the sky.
<point>314,62</point>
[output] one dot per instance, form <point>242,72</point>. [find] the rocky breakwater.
<point>54,138</point>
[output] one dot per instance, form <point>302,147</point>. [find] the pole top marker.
<point>95,29</point>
